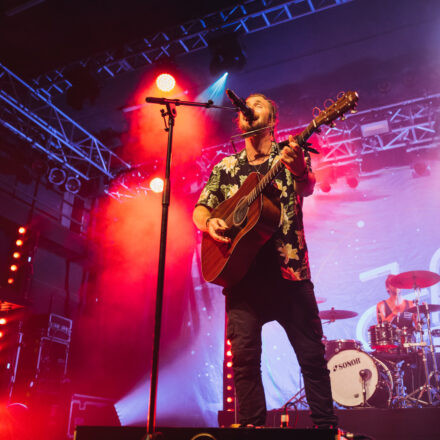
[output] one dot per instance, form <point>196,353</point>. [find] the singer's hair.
<point>273,106</point>
<point>388,281</point>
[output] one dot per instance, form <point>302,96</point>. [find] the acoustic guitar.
<point>253,213</point>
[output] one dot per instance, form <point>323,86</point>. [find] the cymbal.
<point>415,279</point>
<point>336,314</point>
<point>430,308</point>
<point>320,300</point>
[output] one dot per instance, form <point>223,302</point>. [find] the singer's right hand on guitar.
<point>216,229</point>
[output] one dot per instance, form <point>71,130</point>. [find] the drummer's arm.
<point>379,312</point>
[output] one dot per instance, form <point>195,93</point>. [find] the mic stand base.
<point>154,436</point>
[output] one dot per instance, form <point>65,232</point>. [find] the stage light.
<point>1,334</point>
<point>13,267</point>
<point>19,242</point>
<point>22,230</point>
<point>229,364</point>
<point>165,82</point>
<point>352,182</point>
<point>229,399</point>
<point>325,187</point>
<point>2,321</point>
<point>57,176</point>
<point>228,342</point>
<point>229,353</point>
<point>229,376</point>
<point>16,255</point>
<point>73,185</point>
<point>157,185</point>
<point>421,169</point>
<point>10,280</point>
<point>226,53</point>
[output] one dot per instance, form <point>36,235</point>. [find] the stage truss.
<point>31,116</point>
<point>245,18</point>
<point>408,125</point>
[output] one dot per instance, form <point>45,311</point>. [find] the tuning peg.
<point>343,118</point>
<point>353,111</point>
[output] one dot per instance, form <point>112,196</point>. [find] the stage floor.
<point>381,424</point>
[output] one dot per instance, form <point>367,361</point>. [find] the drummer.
<point>394,309</point>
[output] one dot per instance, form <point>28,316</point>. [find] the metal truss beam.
<point>412,125</point>
<point>30,115</point>
<point>247,17</point>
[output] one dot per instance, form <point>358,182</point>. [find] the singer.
<point>278,285</point>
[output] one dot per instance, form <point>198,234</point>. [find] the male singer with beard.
<point>277,286</point>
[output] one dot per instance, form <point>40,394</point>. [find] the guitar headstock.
<point>346,102</point>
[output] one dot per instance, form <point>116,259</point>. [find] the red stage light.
<point>1,334</point>
<point>2,321</point>
<point>13,267</point>
<point>157,184</point>
<point>165,82</point>
<point>22,230</point>
<point>16,255</point>
<point>19,242</point>
<point>10,280</point>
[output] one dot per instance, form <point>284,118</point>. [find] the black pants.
<point>263,296</point>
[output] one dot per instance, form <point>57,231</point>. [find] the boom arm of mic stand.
<point>176,102</point>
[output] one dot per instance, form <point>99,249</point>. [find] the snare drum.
<point>346,381</point>
<point>383,337</point>
<point>335,346</point>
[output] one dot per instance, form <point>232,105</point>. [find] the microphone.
<point>240,103</point>
<point>365,374</point>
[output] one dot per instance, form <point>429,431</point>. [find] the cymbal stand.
<point>415,396</point>
<point>435,373</point>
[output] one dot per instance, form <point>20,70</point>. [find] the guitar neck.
<point>301,139</point>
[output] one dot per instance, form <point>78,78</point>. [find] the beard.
<point>246,126</point>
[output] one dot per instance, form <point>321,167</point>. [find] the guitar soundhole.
<point>240,212</point>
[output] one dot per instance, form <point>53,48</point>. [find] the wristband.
<point>303,177</point>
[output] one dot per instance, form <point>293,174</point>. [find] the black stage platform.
<point>378,424</point>
<point>132,433</point>
<point>381,424</point>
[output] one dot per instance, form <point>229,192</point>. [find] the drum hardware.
<point>332,315</point>
<point>365,375</point>
<point>436,333</point>
<point>417,280</point>
<point>414,344</point>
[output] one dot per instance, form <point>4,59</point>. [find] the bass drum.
<point>346,381</point>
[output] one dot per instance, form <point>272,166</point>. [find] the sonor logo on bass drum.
<point>347,364</point>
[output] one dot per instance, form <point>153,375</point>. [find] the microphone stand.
<point>169,117</point>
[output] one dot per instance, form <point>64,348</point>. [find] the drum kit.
<point>396,374</point>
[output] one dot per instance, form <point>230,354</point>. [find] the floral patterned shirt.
<point>229,174</point>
